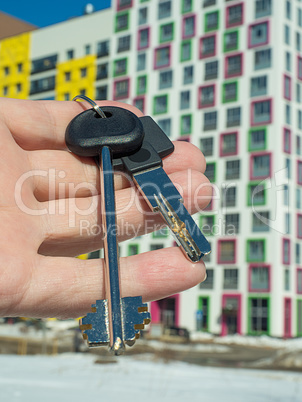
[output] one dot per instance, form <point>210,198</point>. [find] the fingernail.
<point>205,277</point>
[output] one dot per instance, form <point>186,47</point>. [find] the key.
<point>114,132</point>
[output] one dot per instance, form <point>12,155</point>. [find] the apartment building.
<point>225,75</point>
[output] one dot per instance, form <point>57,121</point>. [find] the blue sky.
<point>43,13</point>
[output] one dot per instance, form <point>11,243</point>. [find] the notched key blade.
<point>135,317</point>
<point>95,325</point>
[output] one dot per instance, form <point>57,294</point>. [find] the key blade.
<point>161,195</point>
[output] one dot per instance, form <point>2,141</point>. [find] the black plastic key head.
<point>121,130</point>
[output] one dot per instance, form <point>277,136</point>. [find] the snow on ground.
<point>75,377</point>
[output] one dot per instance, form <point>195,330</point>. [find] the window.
<point>299,226</point>
<point>231,41</point>
<point>288,10</point>
<point>165,125</point>
<point>206,97</point>
<point>207,146</point>
<point>259,86</point>
<point>255,250</point>
<point>298,93</point>
<point>263,8</point>
<point>165,79</point>
<point>299,317</point>
<point>121,4</point>
<point>102,71</point>
<point>299,172</point>
<point>233,117</point>
<point>232,224</point>
<point>287,34</point>
<point>263,59</point>
<point>121,89</point>
<point>258,34</point>
<point>102,48</point>
<point>207,46</point>
<point>188,75</point>
<point>142,16</point>
<point>209,282</point>
<point>18,87</point>
<point>186,51</point>
<point>210,121</point>
<point>233,65</point>
<point>230,278</point>
<point>257,139</point>
<point>229,92</point>
<point>5,90</point>
<point>287,87</point>
<point>299,17</point>
<point>162,57</point>
<point>234,15</point>
<point>39,65</point>
<point>67,76</point>
<point>229,196</point>
<point>120,67</point>
<point>261,112</point>
<point>206,224</point>
<point>207,3</point>
<point>139,102</point>
<point>70,54</point>
<point>164,10</point>
<point>6,70</point>
<point>161,233</point>
<point>288,61</point>
<point>187,6</point>
<point>299,282</point>
<point>259,315</point>
<point>299,68</point>
<point>226,251</point>
<point>210,172</point>
<point>102,92</point>
<point>286,279</point>
<point>260,221</point>
<point>143,38</point>
<point>298,41</point>
<point>19,67</point>
<point>188,27</point>
<point>157,246</point>
<point>186,124</point>
<point>166,33</point>
<point>286,251</point>
<point>232,170</point>
<point>141,62</point>
<point>229,144</point>
<point>160,104</point>
<point>123,43</point>
<point>122,22</point>
<point>133,249</point>
<point>83,72</point>
<point>211,70</point>
<point>42,84</point>
<point>141,85</point>
<point>287,140</point>
<point>185,100</point>
<point>256,194</point>
<point>260,166</point>
<point>259,278</point>
<point>211,21</point>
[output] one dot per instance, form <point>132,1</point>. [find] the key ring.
<point>92,103</point>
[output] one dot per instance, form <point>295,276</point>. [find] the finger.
<point>79,229</point>
<point>65,175</point>
<point>42,124</point>
<point>66,287</point>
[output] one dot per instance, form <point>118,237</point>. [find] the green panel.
<point>186,131</point>
<point>228,48</point>
<point>298,332</point>
<point>186,10</point>
<point>248,259</point>
<point>118,15</point>
<point>184,57</point>
<point>160,234</point>
<point>208,312</point>
<point>249,314</point>
<point>202,223</point>
<point>161,28</point>
<point>139,89</point>
<point>206,17</point>
<point>252,148</point>
<point>133,249</point>
<point>224,98</point>
<point>212,180</point>
<point>115,73</point>
<point>155,111</point>
<point>249,194</point>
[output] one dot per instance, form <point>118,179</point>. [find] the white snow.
<point>76,378</point>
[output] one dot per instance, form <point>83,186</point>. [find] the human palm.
<point>41,218</point>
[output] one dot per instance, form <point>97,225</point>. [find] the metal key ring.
<point>92,103</point>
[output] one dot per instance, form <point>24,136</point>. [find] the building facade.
<point>225,75</point>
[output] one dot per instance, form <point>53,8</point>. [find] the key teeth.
<point>94,325</point>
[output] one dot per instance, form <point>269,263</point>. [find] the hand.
<point>38,275</point>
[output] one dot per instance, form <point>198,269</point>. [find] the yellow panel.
<point>76,82</point>
<point>83,257</point>
<point>15,66</point>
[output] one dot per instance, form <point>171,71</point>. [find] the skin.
<point>39,276</point>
